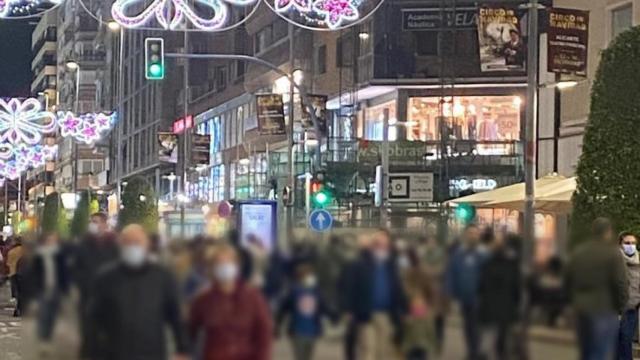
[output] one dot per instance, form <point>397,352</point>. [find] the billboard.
<point>168,147</point>
<point>258,223</point>
<point>319,104</point>
<point>568,41</point>
<point>270,111</point>
<point>411,187</point>
<point>501,44</point>
<point>200,145</point>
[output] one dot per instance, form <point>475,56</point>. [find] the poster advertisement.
<point>168,147</point>
<point>502,46</point>
<point>270,109</point>
<point>200,145</point>
<point>568,41</point>
<point>258,224</point>
<point>319,104</point>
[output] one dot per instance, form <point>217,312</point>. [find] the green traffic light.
<point>465,213</point>
<point>155,70</point>
<point>321,198</point>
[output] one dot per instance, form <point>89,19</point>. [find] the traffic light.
<point>321,194</point>
<point>154,58</point>
<point>465,213</point>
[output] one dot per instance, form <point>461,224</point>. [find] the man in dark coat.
<point>499,296</point>
<point>375,299</point>
<point>97,249</point>
<point>597,284</point>
<point>133,301</point>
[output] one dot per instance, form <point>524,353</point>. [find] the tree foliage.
<point>53,217</point>
<point>80,220</point>
<point>608,173</point>
<point>139,205</point>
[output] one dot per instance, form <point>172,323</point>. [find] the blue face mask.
<point>629,249</point>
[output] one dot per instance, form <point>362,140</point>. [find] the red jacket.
<point>236,326</point>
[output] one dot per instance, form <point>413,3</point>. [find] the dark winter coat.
<point>500,288</point>
<point>358,285</point>
<point>130,309</point>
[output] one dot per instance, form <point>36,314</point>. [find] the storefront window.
<point>217,183</point>
<point>485,119</point>
<point>374,119</point>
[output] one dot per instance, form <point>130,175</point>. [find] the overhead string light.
<point>324,14</point>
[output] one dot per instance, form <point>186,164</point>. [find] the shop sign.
<point>477,185</point>
<point>399,151</point>
<point>168,147</point>
<point>411,187</point>
<point>270,112</point>
<point>200,145</point>
<point>433,19</point>
<point>568,41</point>
<point>182,124</point>
<point>319,104</point>
<point>502,46</point>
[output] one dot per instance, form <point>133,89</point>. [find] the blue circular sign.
<point>320,220</point>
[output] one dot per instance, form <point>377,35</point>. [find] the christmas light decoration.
<point>87,128</point>
<point>24,121</point>
<point>336,11</point>
<point>20,158</point>
<point>171,14</point>
<point>324,14</point>
<point>25,8</point>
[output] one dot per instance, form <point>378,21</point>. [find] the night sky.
<point>15,58</point>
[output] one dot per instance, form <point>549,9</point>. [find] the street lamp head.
<point>562,85</point>
<point>72,65</point>
<point>113,26</point>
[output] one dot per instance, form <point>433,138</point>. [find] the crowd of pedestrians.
<point>228,299</point>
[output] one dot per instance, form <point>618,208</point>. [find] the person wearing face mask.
<point>135,300</point>
<point>375,299</point>
<point>231,316</point>
<point>629,320</point>
<point>304,309</point>
<point>96,249</point>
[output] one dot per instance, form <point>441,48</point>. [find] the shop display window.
<point>488,121</point>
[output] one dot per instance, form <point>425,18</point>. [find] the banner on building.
<point>168,147</point>
<point>319,104</point>
<point>435,19</point>
<point>270,111</point>
<point>502,46</point>
<point>200,154</point>
<point>568,41</point>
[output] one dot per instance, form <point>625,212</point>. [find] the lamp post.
<point>75,67</point>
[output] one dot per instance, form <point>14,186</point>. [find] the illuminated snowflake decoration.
<point>24,121</point>
<point>25,8</point>
<point>86,128</point>
<point>300,5</point>
<point>172,14</point>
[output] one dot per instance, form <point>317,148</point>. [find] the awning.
<point>552,193</point>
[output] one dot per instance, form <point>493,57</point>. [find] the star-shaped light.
<point>336,11</point>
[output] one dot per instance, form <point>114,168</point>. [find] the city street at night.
<point>319,179</point>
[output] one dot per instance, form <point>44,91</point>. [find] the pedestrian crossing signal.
<point>154,58</point>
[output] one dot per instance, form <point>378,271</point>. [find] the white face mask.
<point>134,255</point>
<point>93,228</point>
<point>380,254</point>
<point>226,272</point>
<point>310,281</point>
<point>629,249</point>
<point>403,262</point>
